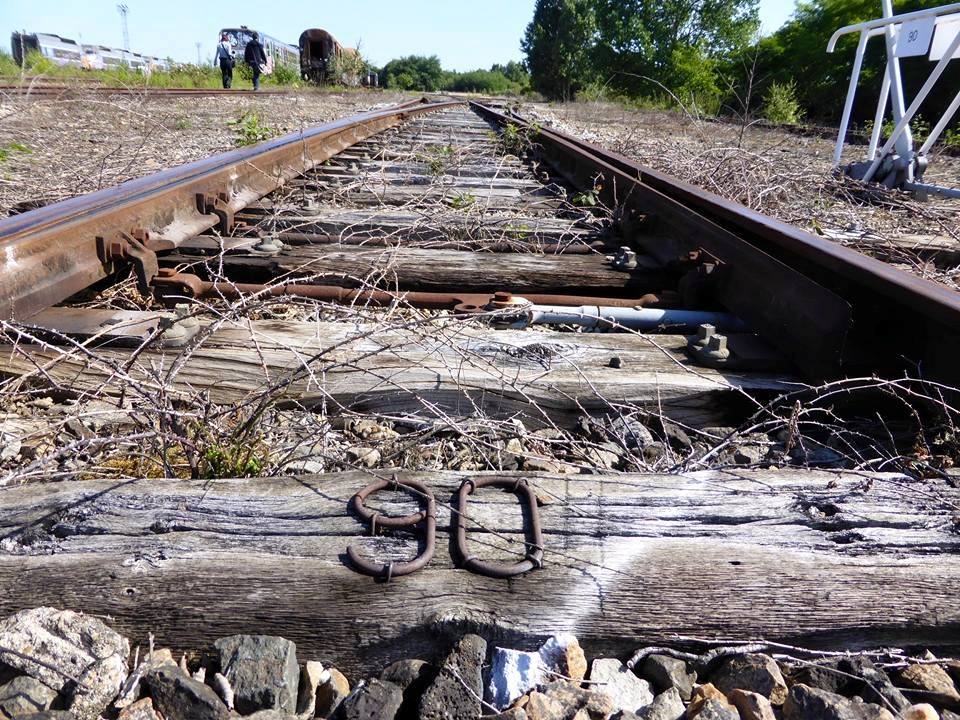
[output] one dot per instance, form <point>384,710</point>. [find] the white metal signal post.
<point>934,32</point>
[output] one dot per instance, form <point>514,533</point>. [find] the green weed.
<point>463,200</point>
<point>7,66</point>
<point>178,75</point>
<point>516,140</point>
<point>951,139</point>
<point>919,128</point>
<point>438,159</point>
<point>590,198</point>
<point>13,147</point>
<point>229,461</point>
<point>250,130</point>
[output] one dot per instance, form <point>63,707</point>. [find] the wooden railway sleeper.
<point>534,542</point>
<point>392,569</point>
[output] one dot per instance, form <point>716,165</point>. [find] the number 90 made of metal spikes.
<point>428,516</point>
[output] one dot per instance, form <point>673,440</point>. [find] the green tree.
<point>674,42</point>
<point>514,72</point>
<point>694,78</point>
<point>414,72</point>
<point>481,81</point>
<point>559,42</point>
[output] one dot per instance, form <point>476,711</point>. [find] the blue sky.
<point>466,35</point>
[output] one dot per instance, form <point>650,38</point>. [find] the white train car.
<point>61,50</point>
<point>277,52</point>
<point>64,51</point>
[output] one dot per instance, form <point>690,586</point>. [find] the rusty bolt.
<point>502,297</point>
<point>717,343</point>
<point>625,259</point>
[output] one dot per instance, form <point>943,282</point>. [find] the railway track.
<point>436,297</point>
<point>46,90</point>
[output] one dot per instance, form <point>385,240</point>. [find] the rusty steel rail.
<point>831,309</point>
<point>50,253</point>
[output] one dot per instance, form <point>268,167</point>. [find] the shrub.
<point>284,75</point>
<point>951,139</point>
<point>348,68</point>
<point>481,81</point>
<point>780,104</point>
<point>7,65</point>
<point>413,72</point>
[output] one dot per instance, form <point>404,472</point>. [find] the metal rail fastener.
<point>534,542</point>
<point>392,569</point>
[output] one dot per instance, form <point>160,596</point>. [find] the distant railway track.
<point>437,257</point>
<point>48,90</point>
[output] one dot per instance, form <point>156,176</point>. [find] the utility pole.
<point>199,61</point>
<point>123,10</point>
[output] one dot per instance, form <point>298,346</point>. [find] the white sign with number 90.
<point>914,37</point>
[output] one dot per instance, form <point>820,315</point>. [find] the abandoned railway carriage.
<point>318,49</point>
<point>278,52</point>
<point>319,56</point>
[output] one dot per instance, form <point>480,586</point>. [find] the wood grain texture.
<point>829,560</point>
<point>443,366</point>
<point>436,223</point>
<point>437,270</point>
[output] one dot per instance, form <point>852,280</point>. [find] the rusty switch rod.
<point>171,284</point>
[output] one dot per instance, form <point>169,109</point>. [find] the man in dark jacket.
<point>255,58</point>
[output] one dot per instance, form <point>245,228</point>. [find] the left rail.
<point>48,254</point>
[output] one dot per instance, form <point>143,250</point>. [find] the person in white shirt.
<point>224,58</point>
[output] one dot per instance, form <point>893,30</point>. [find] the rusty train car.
<point>323,60</point>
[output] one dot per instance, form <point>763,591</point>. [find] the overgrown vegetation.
<point>709,58</point>
<point>516,140</point>
<point>249,129</point>
<point>349,67</point>
<point>780,103</point>
<point>437,159</point>
<point>633,48</point>
<point>13,147</point>
<point>416,72</point>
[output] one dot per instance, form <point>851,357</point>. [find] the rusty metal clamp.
<point>395,569</point>
<point>534,541</point>
<point>131,247</point>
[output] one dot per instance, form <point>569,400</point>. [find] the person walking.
<point>255,57</point>
<point>224,58</point>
